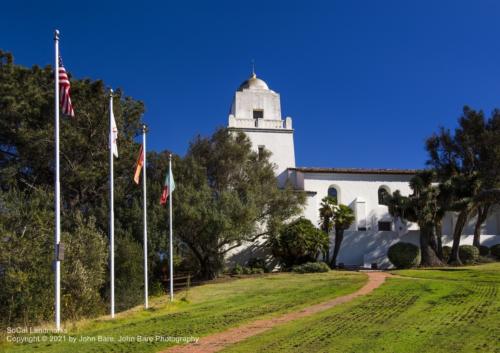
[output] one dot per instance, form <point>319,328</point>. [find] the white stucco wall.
<point>351,187</point>
<point>366,247</point>
<point>272,132</point>
<point>247,100</point>
<point>280,144</point>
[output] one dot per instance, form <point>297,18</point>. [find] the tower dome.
<point>253,83</point>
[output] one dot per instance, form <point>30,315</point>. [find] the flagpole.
<point>171,247</point>
<point>145,223</point>
<point>57,196</point>
<point>111,208</point>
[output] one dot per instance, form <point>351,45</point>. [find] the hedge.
<point>404,255</point>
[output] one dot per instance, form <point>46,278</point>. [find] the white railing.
<point>259,123</point>
<point>269,124</point>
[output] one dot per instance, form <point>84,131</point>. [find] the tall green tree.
<point>26,254</point>
<point>227,195</point>
<point>466,160</point>
<point>27,159</point>
<point>423,208</point>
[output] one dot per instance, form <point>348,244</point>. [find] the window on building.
<point>384,226</point>
<point>383,193</point>
<point>333,192</point>
<point>258,114</point>
<point>261,151</point>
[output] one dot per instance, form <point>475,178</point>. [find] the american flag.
<point>64,91</point>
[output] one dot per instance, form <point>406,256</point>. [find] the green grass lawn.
<point>442,310</point>
<point>210,308</point>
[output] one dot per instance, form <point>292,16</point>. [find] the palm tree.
<point>343,218</point>
<point>326,220</point>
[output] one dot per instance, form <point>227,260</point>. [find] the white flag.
<point>114,134</point>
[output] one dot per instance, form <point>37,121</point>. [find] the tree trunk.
<point>433,242</point>
<point>439,237</point>
<point>326,256</point>
<point>457,234</point>
<point>482,214</point>
<point>339,236</point>
<point>210,267</point>
<point>429,256</point>
<point>207,272</point>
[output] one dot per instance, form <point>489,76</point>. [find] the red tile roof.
<point>355,170</point>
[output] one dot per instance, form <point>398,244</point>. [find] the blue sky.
<point>364,81</point>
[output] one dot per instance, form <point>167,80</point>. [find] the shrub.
<point>257,270</point>
<point>495,251</point>
<point>128,274</point>
<point>446,253</point>
<point>237,270</point>
<point>484,250</point>
<point>257,263</point>
<point>485,259</point>
<point>84,273</point>
<point>245,270</point>
<point>468,254</point>
<point>299,242</point>
<point>311,267</point>
<point>404,255</point>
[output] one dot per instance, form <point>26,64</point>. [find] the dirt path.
<point>221,340</point>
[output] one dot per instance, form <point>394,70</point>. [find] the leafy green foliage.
<point>343,217</point>
<point>298,242</point>
<point>26,173</point>
<point>404,255</point>
<point>446,253</point>
<point>311,267</point>
<point>129,283</point>
<point>466,163</point>
<point>257,262</point>
<point>426,207</point>
<point>26,254</point>
<point>468,254</point>
<point>495,251</point>
<point>228,196</point>
<point>484,250</point>
<point>83,269</point>
<point>326,221</point>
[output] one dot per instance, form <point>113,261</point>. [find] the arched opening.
<point>383,193</point>
<point>333,191</point>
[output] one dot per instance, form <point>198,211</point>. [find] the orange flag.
<point>138,168</point>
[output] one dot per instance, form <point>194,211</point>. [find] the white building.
<point>256,110</point>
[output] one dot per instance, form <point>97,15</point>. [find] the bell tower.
<point>256,110</point>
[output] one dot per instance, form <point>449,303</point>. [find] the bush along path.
<point>219,341</point>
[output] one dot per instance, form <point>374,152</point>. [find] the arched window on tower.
<point>334,192</point>
<point>383,193</point>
